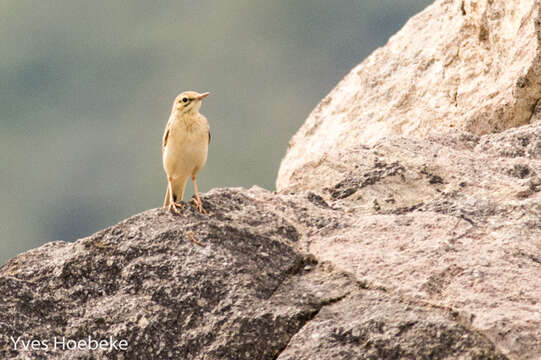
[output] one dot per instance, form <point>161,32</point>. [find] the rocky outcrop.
<point>230,285</point>
<point>452,220</point>
<point>405,227</point>
<point>471,65</point>
<point>437,205</point>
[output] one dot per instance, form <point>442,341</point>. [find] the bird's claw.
<point>174,207</point>
<point>199,206</point>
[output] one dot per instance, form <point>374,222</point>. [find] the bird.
<point>184,148</point>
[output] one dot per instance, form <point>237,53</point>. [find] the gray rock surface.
<point>403,229</point>
<point>243,291</point>
<point>437,205</point>
<point>451,220</point>
<point>366,326</point>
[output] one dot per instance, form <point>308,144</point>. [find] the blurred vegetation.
<point>87,88</point>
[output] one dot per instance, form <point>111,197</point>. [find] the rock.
<point>242,290</point>
<point>453,220</point>
<point>431,149</point>
<point>404,228</point>
<point>144,281</point>
<point>471,65</point>
<point>375,333</point>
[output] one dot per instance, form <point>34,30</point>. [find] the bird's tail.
<point>166,201</point>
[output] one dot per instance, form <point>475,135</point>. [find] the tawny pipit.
<point>184,147</point>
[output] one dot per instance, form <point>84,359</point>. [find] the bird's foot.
<point>199,205</point>
<point>174,207</point>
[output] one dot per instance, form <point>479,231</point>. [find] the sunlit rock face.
<point>431,147</point>
<point>462,64</point>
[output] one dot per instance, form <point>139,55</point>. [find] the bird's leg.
<point>197,201</point>
<point>173,206</point>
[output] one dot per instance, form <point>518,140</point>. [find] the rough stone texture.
<point>402,229</point>
<point>376,332</point>
<point>248,293</point>
<point>143,280</point>
<point>452,220</point>
<point>431,149</point>
<point>470,65</point>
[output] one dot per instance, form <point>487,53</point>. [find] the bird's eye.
<point>184,100</point>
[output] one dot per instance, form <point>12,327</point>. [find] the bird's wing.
<point>166,135</point>
<point>205,123</point>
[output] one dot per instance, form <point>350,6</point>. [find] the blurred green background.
<point>86,89</point>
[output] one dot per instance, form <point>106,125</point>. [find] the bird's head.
<point>189,101</point>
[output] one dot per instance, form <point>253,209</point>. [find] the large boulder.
<point>407,225</point>
<point>230,285</point>
<point>470,65</point>
<point>432,149</point>
<point>452,220</point>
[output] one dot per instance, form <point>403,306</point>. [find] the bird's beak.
<point>203,95</point>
